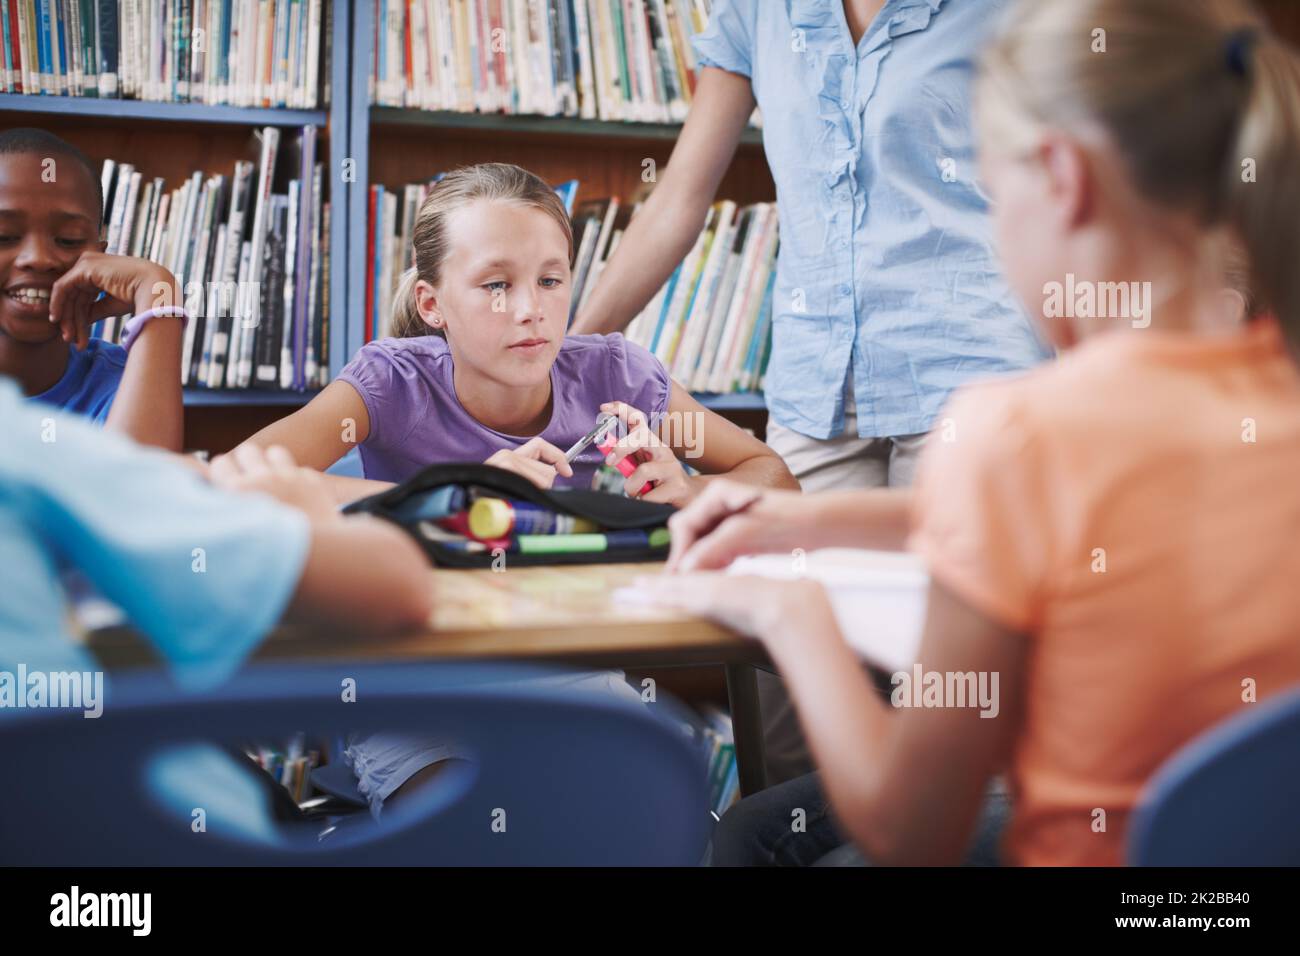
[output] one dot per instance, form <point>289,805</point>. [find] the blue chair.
<point>558,776</point>
<point>1231,797</point>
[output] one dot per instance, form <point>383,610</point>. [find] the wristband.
<point>135,325</point>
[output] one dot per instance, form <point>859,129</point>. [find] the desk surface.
<point>541,613</point>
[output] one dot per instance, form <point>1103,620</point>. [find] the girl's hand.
<point>656,462</point>
<point>274,472</point>
<point>537,460</point>
<point>772,610</point>
<point>728,520</point>
<point>129,285</point>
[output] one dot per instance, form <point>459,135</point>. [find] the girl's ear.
<point>1071,187</point>
<point>427,304</point>
<point>102,245</point>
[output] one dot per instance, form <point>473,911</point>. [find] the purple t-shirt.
<point>416,419</point>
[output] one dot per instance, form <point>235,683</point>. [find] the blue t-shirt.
<point>201,572</point>
<point>90,381</point>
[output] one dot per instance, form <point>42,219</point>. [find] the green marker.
<point>590,543</point>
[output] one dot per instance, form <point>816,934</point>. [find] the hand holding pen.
<point>651,469</point>
<point>728,520</point>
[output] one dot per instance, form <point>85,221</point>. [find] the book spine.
<point>8,52</point>
<point>302,265</point>
<point>107,47</point>
<point>261,212</point>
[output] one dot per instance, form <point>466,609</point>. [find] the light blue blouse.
<point>885,268</point>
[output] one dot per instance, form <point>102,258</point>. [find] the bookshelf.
<point>386,145</point>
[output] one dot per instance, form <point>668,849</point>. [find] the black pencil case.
<point>402,506</point>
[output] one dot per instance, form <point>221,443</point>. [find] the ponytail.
<point>1263,178</point>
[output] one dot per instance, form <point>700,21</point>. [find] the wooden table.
<point>545,614</point>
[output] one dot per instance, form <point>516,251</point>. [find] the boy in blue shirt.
<point>136,521</point>
<point>56,282</point>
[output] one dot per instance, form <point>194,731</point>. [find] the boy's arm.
<point>148,406</point>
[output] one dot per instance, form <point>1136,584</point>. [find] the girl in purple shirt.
<point>479,368</point>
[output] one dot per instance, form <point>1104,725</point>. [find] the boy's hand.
<point>537,460</point>
<point>274,472</point>
<point>129,285</point>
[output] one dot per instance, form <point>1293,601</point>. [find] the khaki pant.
<point>844,461</point>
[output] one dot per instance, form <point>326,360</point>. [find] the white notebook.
<point>878,597</point>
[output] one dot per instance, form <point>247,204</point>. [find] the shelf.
<point>200,397</point>
<point>109,108</point>
<point>515,124</point>
<point>731,401</point>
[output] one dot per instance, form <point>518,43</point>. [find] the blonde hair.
<point>1195,94</point>
<point>497,181</point>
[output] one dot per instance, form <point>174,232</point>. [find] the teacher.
<point>887,295</point>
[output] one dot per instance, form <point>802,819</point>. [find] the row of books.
<point>710,322</point>
<point>720,744</point>
<point>390,225</point>
<point>270,53</point>
<point>290,765</point>
<point>595,59</point>
<point>250,255</point>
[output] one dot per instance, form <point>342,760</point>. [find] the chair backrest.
<point>560,775</point>
<point>1231,797</point>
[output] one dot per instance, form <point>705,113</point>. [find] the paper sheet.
<point>878,596</point>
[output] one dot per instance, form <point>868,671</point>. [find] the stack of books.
<point>251,262</point>
<point>595,59</point>
<point>289,764</point>
<point>268,53</point>
<point>710,323</point>
<point>720,744</point>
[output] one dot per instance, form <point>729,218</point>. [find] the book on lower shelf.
<point>719,742</point>
<point>254,53</point>
<point>250,253</point>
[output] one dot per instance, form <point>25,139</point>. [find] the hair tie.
<point>1236,49</point>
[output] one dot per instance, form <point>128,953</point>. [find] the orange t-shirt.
<point>1134,509</point>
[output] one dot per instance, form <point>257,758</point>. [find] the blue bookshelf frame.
<point>207,397</point>
<point>108,108</point>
